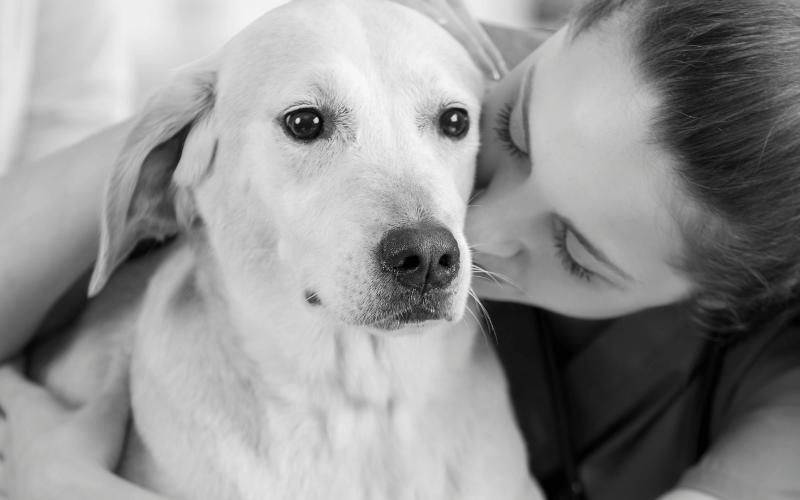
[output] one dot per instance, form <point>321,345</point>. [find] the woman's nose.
<point>492,228</point>
<point>499,218</point>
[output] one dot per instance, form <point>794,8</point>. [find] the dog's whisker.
<point>484,313</point>
<point>449,328</point>
<point>495,276</point>
<point>475,195</point>
<point>509,281</point>
<point>464,209</point>
<point>480,324</point>
<point>481,273</point>
<point>476,247</point>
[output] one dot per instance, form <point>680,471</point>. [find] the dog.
<point>305,337</point>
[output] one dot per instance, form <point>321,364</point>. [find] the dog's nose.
<point>422,257</point>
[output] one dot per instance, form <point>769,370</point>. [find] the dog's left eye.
<point>454,122</point>
<point>304,124</point>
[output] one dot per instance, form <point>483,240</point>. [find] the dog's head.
<point>329,146</point>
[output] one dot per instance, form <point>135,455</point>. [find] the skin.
<point>54,242</point>
<point>585,156</point>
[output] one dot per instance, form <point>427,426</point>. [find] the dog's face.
<point>333,140</point>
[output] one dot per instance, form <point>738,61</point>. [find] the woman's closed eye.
<point>567,260</point>
<point>503,129</point>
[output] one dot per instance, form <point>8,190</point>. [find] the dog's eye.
<point>454,122</point>
<point>304,124</point>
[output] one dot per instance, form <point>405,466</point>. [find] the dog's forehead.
<point>374,36</point>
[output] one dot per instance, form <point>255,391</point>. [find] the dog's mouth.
<point>399,312</point>
<point>412,316</point>
<point>409,308</point>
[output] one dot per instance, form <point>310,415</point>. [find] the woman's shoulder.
<point>755,450</point>
<point>762,369</point>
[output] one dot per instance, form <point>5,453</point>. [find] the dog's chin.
<point>395,313</point>
<point>414,313</point>
<point>415,317</point>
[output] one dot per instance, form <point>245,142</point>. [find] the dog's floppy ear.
<point>170,146</point>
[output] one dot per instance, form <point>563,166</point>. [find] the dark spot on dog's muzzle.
<point>313,298</point>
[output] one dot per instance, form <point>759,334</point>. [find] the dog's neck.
<point>280,351</point>
<point>276,374</point>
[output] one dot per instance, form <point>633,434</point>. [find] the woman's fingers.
<point>40,435</point>
<point>15,391</point>
<point>10,380</point>
<point>492,53</point>
<point>453,16</point>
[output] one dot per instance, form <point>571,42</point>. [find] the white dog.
<point>305,338</point>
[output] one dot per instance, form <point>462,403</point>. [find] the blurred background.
<point>71,67</point>
<point>168,33</point>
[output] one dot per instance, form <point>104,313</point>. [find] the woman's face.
<point>577,210</point>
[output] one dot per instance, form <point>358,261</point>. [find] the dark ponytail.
<point>728,75</point>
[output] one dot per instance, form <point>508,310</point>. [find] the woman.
<point>645,172</point>
<point>638,184</point>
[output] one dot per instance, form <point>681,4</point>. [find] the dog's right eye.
<point>304,124</point>
<point>454,123</point>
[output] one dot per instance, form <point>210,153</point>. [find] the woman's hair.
<point>727,73</point>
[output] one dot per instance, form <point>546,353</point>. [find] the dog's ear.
<point>169,148</point>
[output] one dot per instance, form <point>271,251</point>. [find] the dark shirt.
<point>634,398</point>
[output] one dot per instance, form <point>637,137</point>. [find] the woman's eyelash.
<point>503,129</point>
<point>567,261</point>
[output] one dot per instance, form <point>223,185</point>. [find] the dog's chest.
<point>341,446</point>
<point>353,453</point>
<point>348,449</point>
<point>424,419</point>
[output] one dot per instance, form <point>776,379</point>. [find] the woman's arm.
<point>98,485</point>
<point>51,451</point>
<point>49,226</point>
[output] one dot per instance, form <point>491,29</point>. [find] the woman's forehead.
<point>594,152</point>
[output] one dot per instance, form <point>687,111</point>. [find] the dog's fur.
<point>274,355</point>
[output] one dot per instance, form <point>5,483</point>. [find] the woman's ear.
<point>173,131</point>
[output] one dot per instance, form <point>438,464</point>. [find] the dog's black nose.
<point>421,257</point>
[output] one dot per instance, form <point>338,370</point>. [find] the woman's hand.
<point>51,451</point>
<point>453,16</point>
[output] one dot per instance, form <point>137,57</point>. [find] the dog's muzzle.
<point>419,262</point>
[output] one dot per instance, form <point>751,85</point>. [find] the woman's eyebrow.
<point>527,91</point>
<point>598,254</point>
